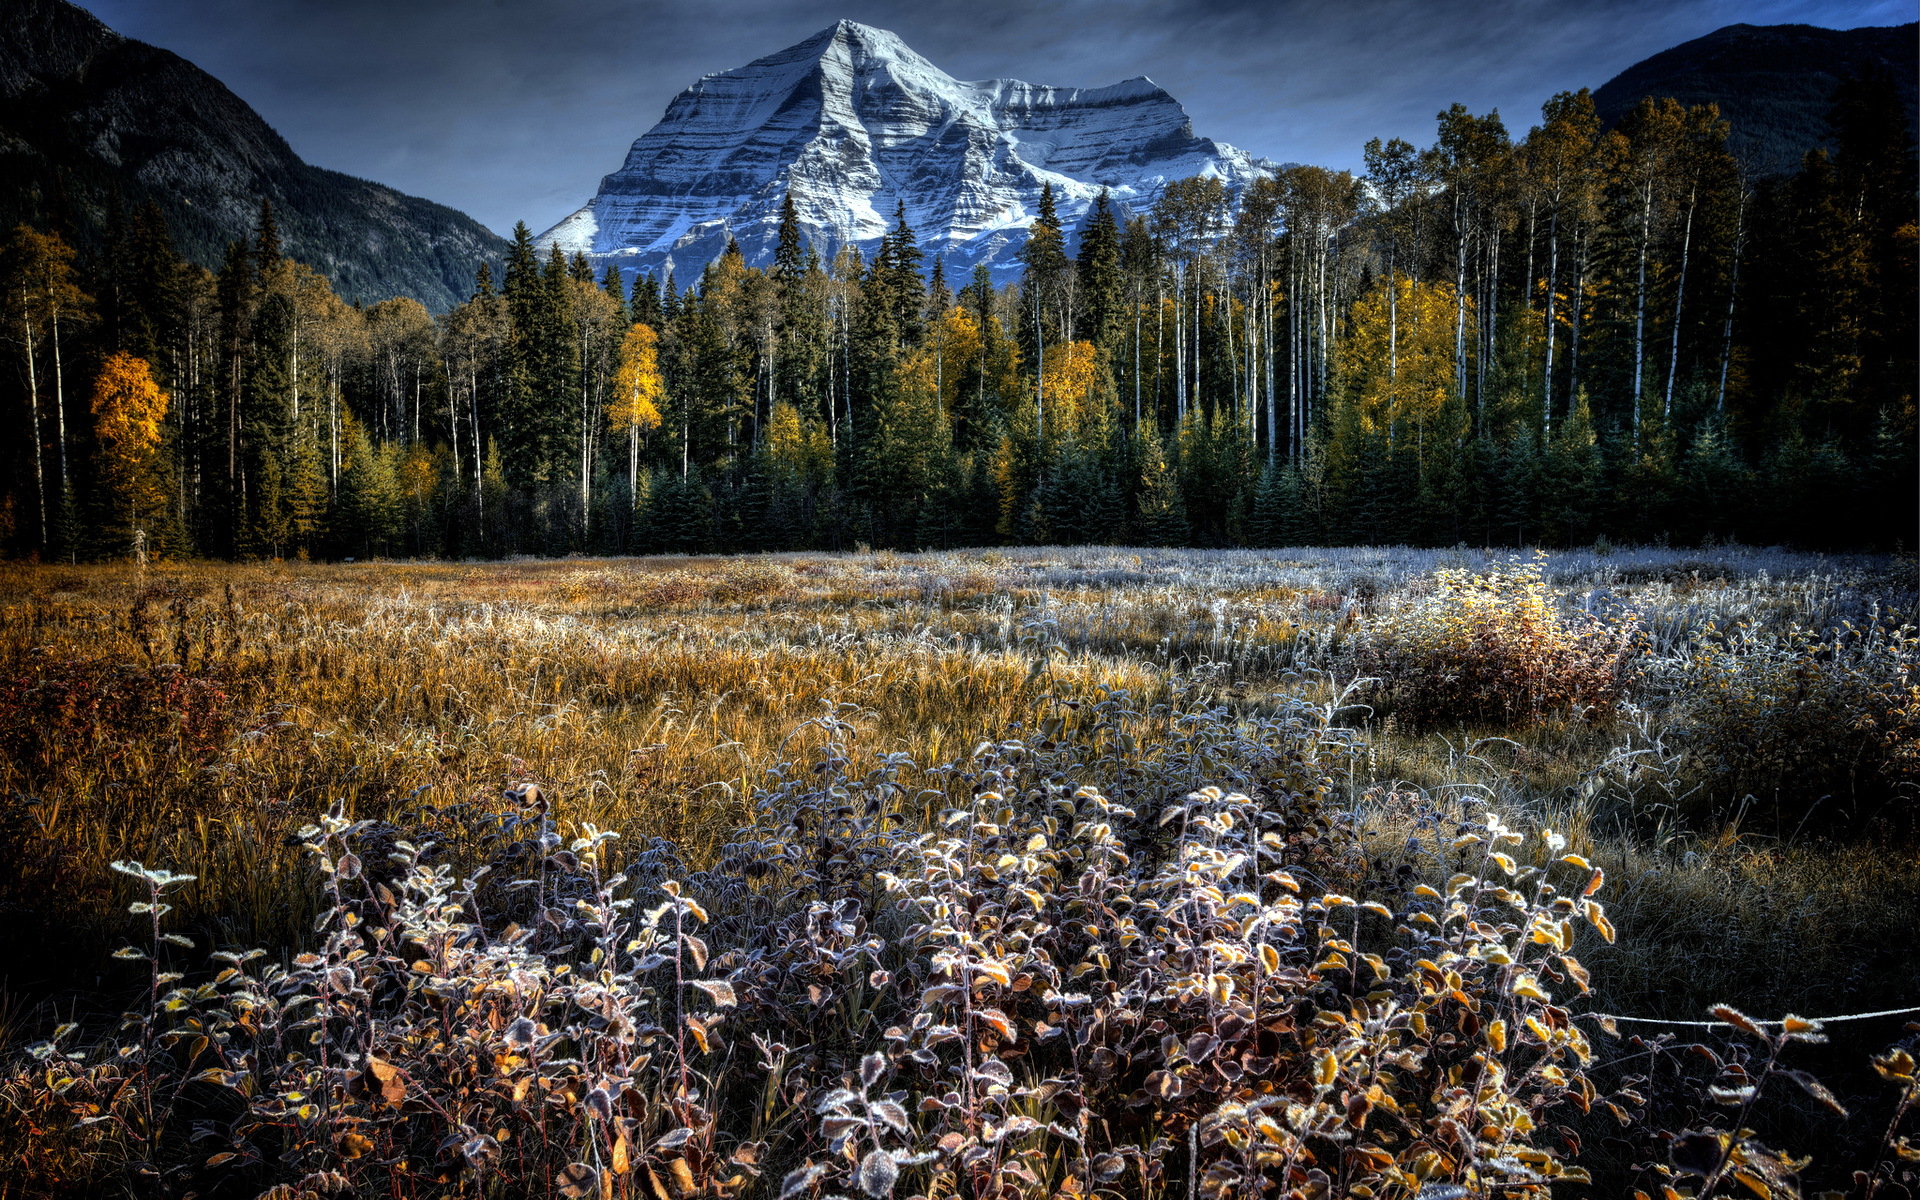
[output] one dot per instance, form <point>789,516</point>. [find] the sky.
<point>512,110</point>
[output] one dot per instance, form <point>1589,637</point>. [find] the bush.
<point>1045,995</point>
<point>54,710</point>
<point>1493,648</point>
<point>1119,987</point>
<point>1797,720</point>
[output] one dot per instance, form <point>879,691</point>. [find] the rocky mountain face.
<point>85,112</point>
<point>852,122</point>
<point>1772,82</point>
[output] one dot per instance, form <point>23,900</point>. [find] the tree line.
<point>1572,334</point>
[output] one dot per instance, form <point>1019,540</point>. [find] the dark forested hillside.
<point>87,115</point>
<point>1772,82</point>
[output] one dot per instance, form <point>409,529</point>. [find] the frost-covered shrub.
<point>1074,970</point>
<point>1494,648</point>
<point>1806,723</point>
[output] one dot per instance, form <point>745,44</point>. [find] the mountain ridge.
<point>85,112</point>
<point>1772,82</point>
<point>853,121</point>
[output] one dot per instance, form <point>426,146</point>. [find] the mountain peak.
<point>853,32</point>
<point>853,123</point>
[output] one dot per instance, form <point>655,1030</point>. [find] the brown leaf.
<point>1737,1019</point>
<point>385,1084</point>
<point>1817,1090</point>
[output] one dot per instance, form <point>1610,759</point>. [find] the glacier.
<point>853,123</point>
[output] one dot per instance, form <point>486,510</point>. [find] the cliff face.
<point>85,112</point>
<point>853,123</point>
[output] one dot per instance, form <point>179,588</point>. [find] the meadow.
<point>1035,872</point>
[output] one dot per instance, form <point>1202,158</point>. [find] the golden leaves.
<point>1737,1019</point>
<point>1896,1066</point>
<point>1597,916</point>
<point>1326,1069</point>
<point>128,411</point>
<point>638,387</point>
<point>384,1083</point>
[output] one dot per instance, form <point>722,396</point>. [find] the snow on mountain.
<point>853,122</point>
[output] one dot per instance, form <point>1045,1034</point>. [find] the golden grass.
<point>647,695</point>
<point>403,690</point>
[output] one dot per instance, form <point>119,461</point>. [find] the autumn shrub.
<point>1081,977</point>
<point>1806,723</point>
<point>736,581</point>
<point>1494,648</point>
<point>55,708</point>
<point>744,580</point>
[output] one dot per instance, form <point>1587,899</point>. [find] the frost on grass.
<point>1088,973</point>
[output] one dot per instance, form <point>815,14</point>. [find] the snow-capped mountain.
<point>853,122</point>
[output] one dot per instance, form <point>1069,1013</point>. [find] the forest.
<point>1571,336</point>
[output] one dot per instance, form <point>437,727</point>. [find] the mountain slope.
<point>853,122</point>
<point>1772,82</point>
<point>83,110</point>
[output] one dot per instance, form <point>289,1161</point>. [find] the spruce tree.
<point>897,272</point>
<point>789,252</point>
<point>1161,517</point>
<point>616,291</point>
<point>1266,523</point>
<point>939,296</point>
<point>1102,299</point>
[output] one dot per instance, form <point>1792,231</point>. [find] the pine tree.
<point>369,498</point>
<point>1267,522</point>
<point>616,291</point>
<point>1715,487</point>
<point>939,296</point>
<point>266,239</point>
<point>897,274</point>
<point>789,255</point>
<point>1102,300</point>
<point>681,515</point>
<point>1161,518</point>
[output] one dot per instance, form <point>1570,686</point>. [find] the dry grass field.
<point>972,923</point>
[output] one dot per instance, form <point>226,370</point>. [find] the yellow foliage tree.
<point>637,393</point>
<point>1072,381</point>
<point>1406,384</point>
<point>128,409</point>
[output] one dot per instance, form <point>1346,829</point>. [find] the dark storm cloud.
<point>513,109</point>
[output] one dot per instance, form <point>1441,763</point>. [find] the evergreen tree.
<point>1102,301</point>
<point>1161,519</point>
<point>616,291</point>
<point>789,256</point>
